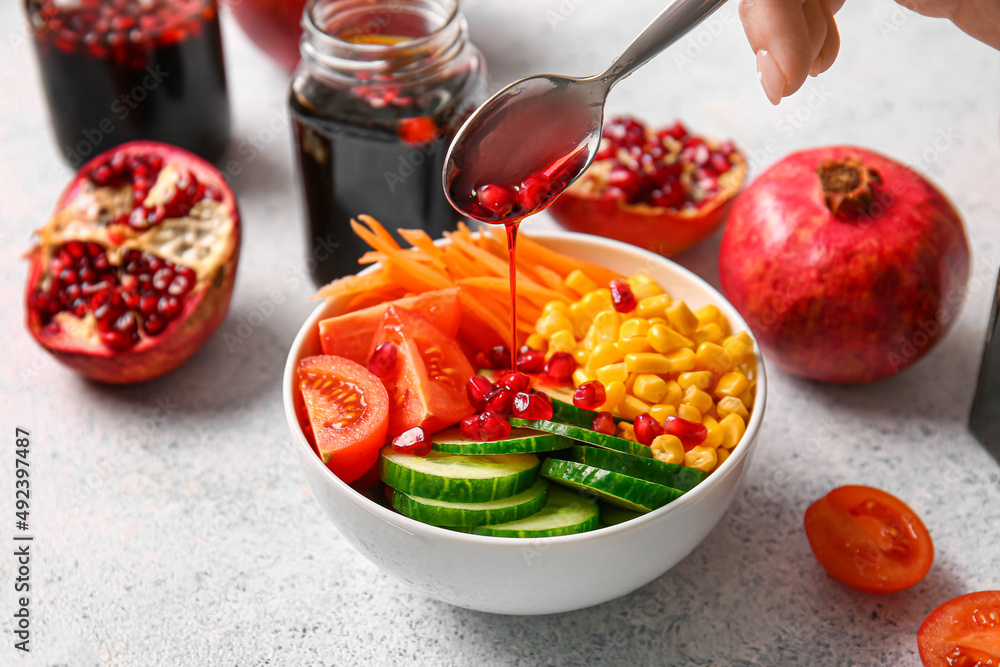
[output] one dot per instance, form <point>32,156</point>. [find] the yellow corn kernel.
<point>660,412</point>
<point>630,382</point>
<point>702,400</point>
<point>740,346</point>
<point>722,455</point>
<point>631,407</point>
<point>635,326</point>
<point>733,429</point>
<point>596,301</point>
<point>713,358</point>
<point>701,458</point>
<point>681,360</point>
<point>580,317</point>
<point>612,373</point>
<point>634,345</point>
<point>603,355</point>
<point>707,333</point>
<point>730,405</point>
<point>747,397</point>
<point>673,395</point>
<point>658,320</point>
<point>537,341</point>
<point>689,412</point>
<point>731,384</point>
<point>581,354</point>
<point>562,341</point>
<point>648,362</point>
<point>643,286</point>
<point>580,282</point>
<point>606,326</point>
<point>700,379</point>
<point>557,307</point>
<point>707,314</point>
<point>580,375</point>
<point>614,392</point>
<point>681,318</point>
<point>653,306</point>
<point>551,322</point>
<point>714,437</point>
<point>650,388</point>
<point>627,431</point>
<point>668,448</point>
<point>664,339</point>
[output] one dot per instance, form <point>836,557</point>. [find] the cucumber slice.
<point>679,477</point>
<point>457,478</point>
<point>521,440</point>
<point>563,410</point>
<point>631,493</point>
<point>441,513</point>
<point>612,515</point>
<point>565,512</point>
<point>586,435</point>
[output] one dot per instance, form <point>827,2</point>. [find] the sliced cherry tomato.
<point>963,632</point>
<point>348,413</point>
<point>868,539</point>
<point>350,335</point>
<point>427,388</point>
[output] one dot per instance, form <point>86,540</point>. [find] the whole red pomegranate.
<point>135,269</point>
<point>847,265</point>
<point>273,25</point>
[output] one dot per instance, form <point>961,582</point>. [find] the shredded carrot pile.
<point>476,263</point>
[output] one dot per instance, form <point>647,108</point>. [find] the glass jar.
<point>120,70</point>
<point>381,89</point>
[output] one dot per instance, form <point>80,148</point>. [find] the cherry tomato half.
<point>964,631</point>
<point>868,539</point>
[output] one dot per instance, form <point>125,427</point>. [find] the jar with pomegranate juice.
<point>121,70</point>
<point>380,91</point>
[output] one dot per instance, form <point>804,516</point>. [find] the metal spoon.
<point>548,123</point>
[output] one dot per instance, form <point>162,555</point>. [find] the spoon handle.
<point>672,24</point>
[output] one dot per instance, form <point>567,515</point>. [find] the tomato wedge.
<point>962,632</point>
<point>868,539</point>
<point>427,386</point>
<point>350,335</point>
<point>347,409</point>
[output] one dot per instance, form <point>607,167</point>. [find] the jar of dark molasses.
<point>381,89</point>
<point>121,70</point>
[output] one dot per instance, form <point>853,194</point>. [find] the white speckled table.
<point>172,527</point>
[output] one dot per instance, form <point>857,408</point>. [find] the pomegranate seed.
<point>497,199</point>
<point>168,307</point>
<point>180,285</point>
<point>531,361</point>
<point>383,359</point>
<point>123,334</point>
<point>625,132</point>
<point>413,441</point>
<point>589,395</point>
<point>691,434</point>
<point>163,278</point>
<point>515,382</point>
<point>621,296</point>
<point>101,176</point>
<point>647,428</point>
<point>604,423</point>
<point>677,132</point>
<point>477,389</point>
<point>532,406</point>
<point>560,366</point>
<point>719,163</point>
<point>501,400</point>
<point>499,357</point>
<point>153,325</point>
<point>532,192</point>
<point>469,428</point>
<point>493,426</point>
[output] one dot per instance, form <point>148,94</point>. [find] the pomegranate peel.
<point>122,297</point>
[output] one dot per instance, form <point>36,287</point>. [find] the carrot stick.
<point>480,307</point>
<point>354,284</point>
<point>502,285</point>
<point>535,252</point>
<point>554,282</point>
<point>419,239</point>
<point>379,230</point>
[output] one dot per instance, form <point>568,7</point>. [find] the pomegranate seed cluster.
<point>510,395</point>
<point>676,379</point>
<point>121,30</point>
<point>144,293</point>
<point>668,168</point>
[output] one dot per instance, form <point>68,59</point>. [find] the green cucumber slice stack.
<point>441,513</point>
<point>565,513</point>
<point>458,478</point>
<point>676,476</point>
<point>520,441</point>
<point>624,491</point>
<point>586,435</point>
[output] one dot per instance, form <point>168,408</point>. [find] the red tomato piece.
<point>962,632</point>
<point>350,335</point>
<point>427,387</point>
<point>868,539</point>
<point>348,413</point>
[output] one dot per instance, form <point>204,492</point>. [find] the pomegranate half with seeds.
<point>134,270</point>
<point>663,190</point>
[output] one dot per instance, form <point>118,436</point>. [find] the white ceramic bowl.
<point>547,575</point>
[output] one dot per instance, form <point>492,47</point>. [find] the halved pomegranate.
<point>134,270</point>
<point>662,190</point>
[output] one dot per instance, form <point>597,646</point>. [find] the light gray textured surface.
<point>172,526</point>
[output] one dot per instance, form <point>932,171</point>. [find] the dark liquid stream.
<point>511,229</point>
